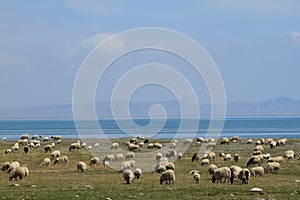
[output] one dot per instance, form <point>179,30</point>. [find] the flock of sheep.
<point>164,167</point>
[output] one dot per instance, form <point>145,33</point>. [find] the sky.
<point>255,45</point>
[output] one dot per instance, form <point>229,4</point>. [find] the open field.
<point>64,182</point>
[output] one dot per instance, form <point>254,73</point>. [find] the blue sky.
<point>255,44</point>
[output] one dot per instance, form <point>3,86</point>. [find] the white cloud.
<point>295,35</point>
<point>87,44</point>
<point>95,7</point>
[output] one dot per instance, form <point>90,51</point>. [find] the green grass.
<point>64,182</point>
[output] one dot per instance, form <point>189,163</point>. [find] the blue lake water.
<point>244,127</point>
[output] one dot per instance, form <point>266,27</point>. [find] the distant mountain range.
<point>281,106</point>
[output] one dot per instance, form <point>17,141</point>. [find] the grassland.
<point>64,182</point>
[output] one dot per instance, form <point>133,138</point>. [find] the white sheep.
<point>128,176</point>
<point>272,144</point>
<point>61,160</point>
<point>278,159</point>
<point>167,176</point>
<point>254,160</point>
<point>281,142</point>
<point>18,172</point>
<point>259,148</point>
<point>8,151</point>
<point>188,141</point>
<point>115,145</point>
<point>55,154</point>
<point>75,146</point>
<point>224,141</point>
<point>46,162</point>
<point>236,157</point>
<point>171,153</point>
<point>289,154</point>
<point>257,171</point>
<point>94,161</point>
<point>4,139</point>
<point>227,157</point>
<point>109,158</point>
<point>9,166</point>
<point>244,175</point>
<point>127,165</point>
<point>158,156</point>
<point>272,167</point>
<point>81,167</point>
<point>119,156</point>
<point>47,148</point>
<point>211,169</point>
<point>205,161</point>
<point>129,155</point>
<point>138,173</point>
<point>196,175</point>
<point>235,170</point>
<point>179,156</point>
<point>163,166</point>
<point>221,173</point>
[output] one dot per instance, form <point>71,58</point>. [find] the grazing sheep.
<point>4,139</point>
<point>278,159</point>
<point>196,175</point>
<point>211,169</point>
<point>222,155</point>
<point>256,153</point>
<point>268,140</point>
<point>195,157</point>
<point>150,146</point>
<point>35,137</point>
<point>25,136</point>
<point>18,172</point>
<point>200,140</point>
<point>258,142</point>
<point>8,166</point>
<point>171,153</point>
<point>15,148</point>
<point>179,156</point>
<point>281,142</point>
<point>119,156</point>
<point>61,160</point>
<point>8,151</point>
<point>56,137</point>
<point>81,167</point>
<point>47,148</point>
<point>137,173</point>
<point>221,173</point>
<point>205,162</point>
<point>173,145</point>
<point>244,175</point>
<point>272,167</point>
<point>236,157</point>
<point>158,156</point>
<point>26,149</point>
<point>254,160</point>
<point>45,139</point>
<point>257,171</point>
<point>249,141</point>
<point>97,145</point>
<point>163,166</point>
<point>75,146</point>
<point>128,176</point>
<point>109,158</point>
<point>188,141</point>
<point>167,176</point>
<point>133,147</point>
<point>94,161</point>
<point>105,163</point>
<point>266,156</point>
<point>289,154</point>
<point>211,156</point>
<point>234,138</point>
<point>272,144</point>
<point>127,165</point>
<point>55,154</point>
<point>115,145</point>
<point>46,162</point>
<point>146,141</point>
<point>259,148</point>
<point>224,141</point>
<point>129,155</point>
<point>235,170</point>
<point>141,144</point>
<point>227,157</point>
<point>157,145</point>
